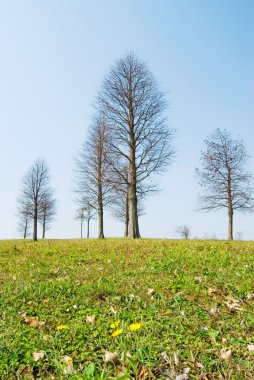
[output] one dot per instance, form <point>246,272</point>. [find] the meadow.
<point>122,309</point>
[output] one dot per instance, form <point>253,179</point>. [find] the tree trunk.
<point>25,231</point>
<point>100,212</point>
<point>35,223</point>
<point>100,221</point>
<point>133,232</point>
<point>44,226</point>
<point>230,207</point>
<point>88,225</point>
<point>81,228</point>
<point>126,229</point>
<point>132,188</point>
<point>230,224</point>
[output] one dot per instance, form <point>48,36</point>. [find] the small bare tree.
<point>91,171</point>
<point>223,176</point>
<point>138,137</point>
<point>25,218</point>
<point>47,210</point>
<point>183,231</point>
<point>85,213</point>
<point>34,186</point>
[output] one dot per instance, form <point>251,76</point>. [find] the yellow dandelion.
<point>115,324</point>
<point>135,326</point>
<point>61,327</point>
<point>117,332</point>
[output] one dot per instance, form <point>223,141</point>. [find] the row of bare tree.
<point>128,143</point>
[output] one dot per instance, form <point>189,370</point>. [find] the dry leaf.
<point>225,355</point>
<point>199,365</point>
<point>233,304</point>
<point>214,312</point>
<point>67,360</point>
<point>90,319</point>
<point>251,347</point>
<point>38,355</point>
<point>145,373</point>
<point>164,357</point>
<point>120,371</point>
<point>250,296</point>
<point>150,292</point>
<point>212,291</point>
<point>224,340</point>
<point>176,358</point>
<point>200,279</point>
<point>113,311</point>
<point>182,377</point>
<point>33,321</point>
<point>111,357</point>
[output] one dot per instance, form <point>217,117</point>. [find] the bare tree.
<point>86,212</point>
<point>35,184</point>
<point>183,231</point>
<point>24,216</point>
<point>223,176</point>
<point>47,210</point>
<point>91,170</point>
<point>138,137</point>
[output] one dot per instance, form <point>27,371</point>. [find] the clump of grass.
<point>163,308</point>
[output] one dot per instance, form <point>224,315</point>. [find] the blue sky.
<point>54,55</point>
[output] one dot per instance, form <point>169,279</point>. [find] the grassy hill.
<point>143,309</point>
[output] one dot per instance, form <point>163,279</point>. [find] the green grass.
<point>63,282</point>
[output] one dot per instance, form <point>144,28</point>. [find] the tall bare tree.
<point>223,176</point>
<point>47,210</point>
<point>34,186</point>
<point>91,170</point>
<point>138,137</point>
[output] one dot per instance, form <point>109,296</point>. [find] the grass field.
<point>121,309</point>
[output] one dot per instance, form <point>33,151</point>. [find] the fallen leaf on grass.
<point>225,354</point>
<point>150,292</point>
<point>165,358</point>
<point>120,371</point>
<point>182,377</point>
<point>214,312</point>
<point>68,362</point>
<point>212,291</point>
<point>250,296</point>
<point>176,359</point>
<point>90,319</point>
<point>33,321</point>
<point>145,373</point>
<point>233,304</point>
<point>111,357</point>
<point>38,355</point>
<point>113,310</point>
<point>251,347</point>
